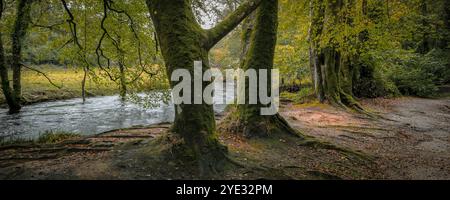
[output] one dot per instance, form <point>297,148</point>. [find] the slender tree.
<point>18,36</point>
<point>14,106</point>
<point>13,95</point>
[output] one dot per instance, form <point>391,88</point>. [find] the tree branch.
<point>72,24</point>
<point>43,74</point>
<point>99,50</point>
<point>215,34</point>
<point>50,27</point>
<point>133,30</point>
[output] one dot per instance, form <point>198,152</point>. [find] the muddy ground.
<point>409,140</point>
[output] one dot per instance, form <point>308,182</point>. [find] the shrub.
<point>413,81</point>
<point>371,81</point>
<point>407,72</point>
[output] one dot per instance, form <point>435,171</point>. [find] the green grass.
<point>36,88</point>
<point>55,137</point>
<point>15,141</point>
<point>48,137</point>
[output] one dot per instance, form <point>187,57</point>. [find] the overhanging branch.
<point>43,74</point>
<point>215,34</point>
<point>72,24</point>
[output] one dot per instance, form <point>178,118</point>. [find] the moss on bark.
<point>20,29</point>
<point>258,47</point>
<point>333,68</point>
<point>13,95</point>
<point>182,42</point>
<point>14,106</point>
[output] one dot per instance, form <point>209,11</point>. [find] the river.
<point>96,115</point>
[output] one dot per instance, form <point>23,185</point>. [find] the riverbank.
<point>409,141</point>
<point>36,88</point>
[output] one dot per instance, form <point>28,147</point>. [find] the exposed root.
<point>259,126</point>
<point>348,102</point>
<point>205,161</point>
<point>314,143</point>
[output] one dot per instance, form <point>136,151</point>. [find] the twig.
<point>43,74</point>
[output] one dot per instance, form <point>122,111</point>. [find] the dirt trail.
<point>410,140</point>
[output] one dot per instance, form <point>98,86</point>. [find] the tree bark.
<point>182,42</point>
<point>317,13</point>
<point>13,105</point>
<point>258,48</point>
<point>6,87</point>
<point>13,95</point>
<point>333,69</point>
<point>20,28</point>
<point>122,79</point>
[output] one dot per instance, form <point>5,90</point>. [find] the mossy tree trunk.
<point>18,36</point>
<point>259,39</point>
<point>182,42</point>
<point>14,106</point>
<point>13,95</point>
<point>317,12</point>
<point>333,68</point>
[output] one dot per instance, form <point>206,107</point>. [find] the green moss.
<point>335,78</point>
<point>259,36</point>
<point>314,143</point>
<point>20,30</point>
<point>182,42</point>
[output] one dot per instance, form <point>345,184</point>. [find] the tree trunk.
<point>86,65</point>
<point>83,84</point>
<point>6,87</point>
<point>13,105</point>
<point>182,42</point>
<point>315,58</point>
<point>258,47</point>
<point>333,69</point>
<point>18,35</point>
<point>123,79</point>
<point>13,95</point>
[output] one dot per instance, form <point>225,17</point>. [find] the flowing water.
<point>96,115</point>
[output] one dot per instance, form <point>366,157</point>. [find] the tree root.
<point>314,143</point>
<point>348,102</point>
<point>259,126</point>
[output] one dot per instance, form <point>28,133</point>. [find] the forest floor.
<point>410,140</point>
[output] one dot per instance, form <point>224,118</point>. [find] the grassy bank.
<point>46,138</point>
<point>36,88</point>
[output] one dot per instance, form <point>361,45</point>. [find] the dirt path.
<point>411,140</point>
